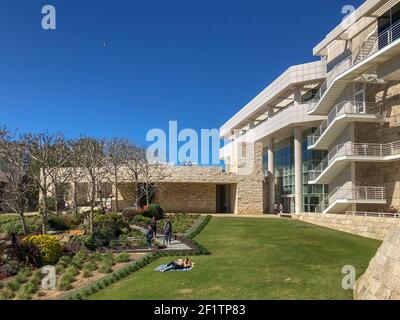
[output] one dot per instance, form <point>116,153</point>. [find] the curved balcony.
<point>340,156</point>
<point>340,198</point>
<point>375,51</point>
<point>340,116</point>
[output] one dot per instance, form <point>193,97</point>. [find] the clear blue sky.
<point>197,62</point>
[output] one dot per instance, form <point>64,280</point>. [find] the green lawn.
<point>256,259</point>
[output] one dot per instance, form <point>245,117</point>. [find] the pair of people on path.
<point>152,232</point>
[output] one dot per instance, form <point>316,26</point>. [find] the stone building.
<point>330,130</point>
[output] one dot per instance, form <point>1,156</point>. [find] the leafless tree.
<point>47,151</point>
<point>117,153</point>
<point>144,173</point>
<point>14,167</point>
<point>76,172</point>
<point>93,162</point>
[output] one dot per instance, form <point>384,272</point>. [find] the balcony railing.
<point>346,107</point>
<point>374,42</point>
<point>355,149</point>
<point>352,194</point>
<point>373,214</point>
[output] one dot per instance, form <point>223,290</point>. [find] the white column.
<point>298,171</point>
<point>297,95</point>
<point>271,178</point>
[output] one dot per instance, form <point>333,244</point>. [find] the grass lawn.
<point>256,259</point>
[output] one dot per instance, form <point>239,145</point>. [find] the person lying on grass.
<point>178,265</point>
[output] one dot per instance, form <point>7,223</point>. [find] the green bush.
<point>23,275</point>
<point>33,225</point>
<point>74,219</point>
<point>90,266</point>
<point>7,294</point>
<point>72,272</point>
<point>123,257</point>
<point>87,273</point>
<point>154,210</point>
<point>28,289</point>
<point>57,223</point>
<point>65,283</point>
<point>13,285</point>
<point>105,268</point>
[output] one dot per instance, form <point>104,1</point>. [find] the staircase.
<point>368,47</point>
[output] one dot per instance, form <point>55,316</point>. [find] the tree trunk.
<point>116,191</point>
<point>76,197</point>
<point>44,202</point>
<point>23,223</point>
<point>92,205</point>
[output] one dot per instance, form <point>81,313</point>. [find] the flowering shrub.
<point>49,246</point>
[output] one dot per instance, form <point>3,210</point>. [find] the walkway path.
<point>175,244</point>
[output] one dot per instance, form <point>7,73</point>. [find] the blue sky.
<point>197,62</point>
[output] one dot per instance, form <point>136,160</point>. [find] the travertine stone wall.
<point>370,227</point>
<point>187,197</point>
<point>381,281</point>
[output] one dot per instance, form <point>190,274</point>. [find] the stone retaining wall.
<point>381,281</point>
<point>370,227</point>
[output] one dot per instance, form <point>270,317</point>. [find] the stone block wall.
<point>370,227</point>
<point>187,198</point>
<point>381,281</point>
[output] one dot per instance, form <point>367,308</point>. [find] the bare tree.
<point>48,154</point>
<point>117,153</point>
<point>17,189</point>
<point>93,162</point>
<point>77,174</point>
<point>145,174</point>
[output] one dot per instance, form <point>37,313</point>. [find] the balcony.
<point>339,117</point>
<point>340,156</point>
<point>340,198</point>
<point>376,50</point>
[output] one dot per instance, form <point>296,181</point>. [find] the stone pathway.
<point>175,245</point>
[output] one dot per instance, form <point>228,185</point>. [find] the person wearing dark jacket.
<point>149,237</point>
<point>153,225</point>
<point>167,232</point>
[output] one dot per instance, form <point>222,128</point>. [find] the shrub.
<point>57,223</point>
<point>49,246</point>
<point>129,213</point>
<point>28,289</point>
<point>65,283</point>
<point>7,294</point>
<point>23,254</point>
<point>23,275</point>
<point>74,220</point>
<point>105,268</point>
<point>32,224</point>
<point>154,210</point>
<point>37,277</point>
<point>90,266</point>
<point>108,258</point>
<point>72,272</point>
<point>41,294</point>
<point>13,285</point>
<point>87,273</point>
<point>123,257</point>
<point>108,227</point>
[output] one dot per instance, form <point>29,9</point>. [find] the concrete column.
<point>271,178</point>
<point>298,170</point>
<point>297,95</point>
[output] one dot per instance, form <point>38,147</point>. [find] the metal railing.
<point>355,149</point>
<point>373,214</point>
<point>346,107</point>
<point>362,193</point>
<point>374,42</point>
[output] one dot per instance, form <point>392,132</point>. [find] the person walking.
<point>153,225</point>
<point>167,232</point>
<point>149,236</point>
<point>276,208</point>
<point>280,208</point>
